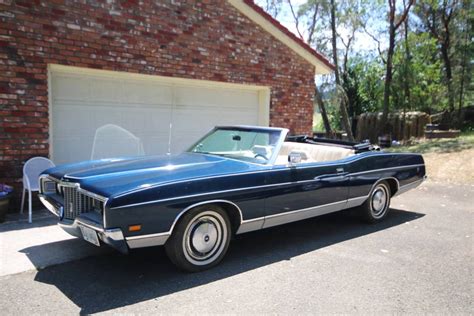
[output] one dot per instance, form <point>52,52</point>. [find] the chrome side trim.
<point>251,225</point>
<point>270,169</point>
<point>383,169</point>
<point>161,238</point>
<point>386,178</point>
<point>202,203</point>
<point>147,240</point>
<point>216,192</point>
<point>354,202</point>
<point>208,193</point>
<point>357,201</point>
<point>263,186</point>
<point>409,186</point>
<point>293,216</point>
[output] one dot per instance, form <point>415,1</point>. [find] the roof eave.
<point>272,26</point>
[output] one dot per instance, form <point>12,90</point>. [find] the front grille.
<point>76,203</point>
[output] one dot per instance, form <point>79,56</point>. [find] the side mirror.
<point>294,158</point>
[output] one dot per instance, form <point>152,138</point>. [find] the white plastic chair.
<point>31,171</point>
<point>114,141</point>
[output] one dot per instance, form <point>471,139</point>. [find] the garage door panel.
<point>192,117</point>
<point>159,117</point>
<point>199,96</point>
<point>144,106</point>
<point>138,121</point>
<point>82,151</point>
<point>70,88</point>
<point>106,91</point>
<point>103,115</point>
<point>62,119</point>
<point>140,93</point>
<point>184,123</point>
<point>155,144</point>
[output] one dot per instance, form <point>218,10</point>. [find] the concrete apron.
<point>43,243</point>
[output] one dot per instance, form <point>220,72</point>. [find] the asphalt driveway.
<point>419,260</point>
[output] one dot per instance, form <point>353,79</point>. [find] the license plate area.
<point>90,235</point>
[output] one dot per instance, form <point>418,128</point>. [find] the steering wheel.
<point>262,156</point>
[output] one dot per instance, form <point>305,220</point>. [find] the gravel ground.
<point>454,167</point>
<point>447,159</point>
<point>417,261</point>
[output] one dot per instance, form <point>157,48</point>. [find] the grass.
<point>442,145</point>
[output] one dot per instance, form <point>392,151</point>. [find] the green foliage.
<point>363,83</point>
<point>422,71</point>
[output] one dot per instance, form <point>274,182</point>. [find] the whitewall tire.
<point>377,206</point>
<point>200,239</point>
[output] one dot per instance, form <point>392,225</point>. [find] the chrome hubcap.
<point>379,201</point>
<point>204,238</point>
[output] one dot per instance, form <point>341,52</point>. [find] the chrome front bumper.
<point>112,237</point>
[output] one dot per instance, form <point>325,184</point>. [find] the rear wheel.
<point>376,207</point>
<point>200,239</point>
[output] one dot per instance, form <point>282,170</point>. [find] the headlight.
<point>48,185</point>
<point>97,206</point>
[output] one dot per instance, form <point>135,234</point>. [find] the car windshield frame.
<point>282,132</point>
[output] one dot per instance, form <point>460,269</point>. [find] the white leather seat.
<point>314,153</point>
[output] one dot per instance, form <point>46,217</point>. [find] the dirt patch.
<point>452,167</point>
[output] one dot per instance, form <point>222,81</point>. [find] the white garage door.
<point>166,114</point>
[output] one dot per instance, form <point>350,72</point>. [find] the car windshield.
<point>255,146</point>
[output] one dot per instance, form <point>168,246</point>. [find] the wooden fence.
<point>414,126</point>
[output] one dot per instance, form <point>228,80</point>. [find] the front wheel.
<point>200,239</point>
<point>376,207</point>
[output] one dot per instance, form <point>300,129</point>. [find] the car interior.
<point>312,152</point>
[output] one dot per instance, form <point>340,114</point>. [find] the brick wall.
<point>207,40</point>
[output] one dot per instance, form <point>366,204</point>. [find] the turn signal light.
<point>134,228</point>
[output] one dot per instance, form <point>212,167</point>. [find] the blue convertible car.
<point>234,180</point>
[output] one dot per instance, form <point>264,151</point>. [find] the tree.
<point>467,48</point>
<point>333,15</point>
<point>406,69</point>
<point>437,18</point>
<point>314,8</point>
<point>273,7</point>
<point>423,59</point>
<point>424,75</point>
<point>322,109</point>
<point>343,102</point>
<point>393,25</point>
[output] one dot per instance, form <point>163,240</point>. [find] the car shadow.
<point>102,283</point>
<point>20,222</point>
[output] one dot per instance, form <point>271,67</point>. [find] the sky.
<point>362,42</point>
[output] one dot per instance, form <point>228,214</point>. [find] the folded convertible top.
<point>357,147</point>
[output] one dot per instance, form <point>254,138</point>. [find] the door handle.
<point>335,177</point>
<point>340,174</point>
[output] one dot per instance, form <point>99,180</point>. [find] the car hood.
<point>109,177</point>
